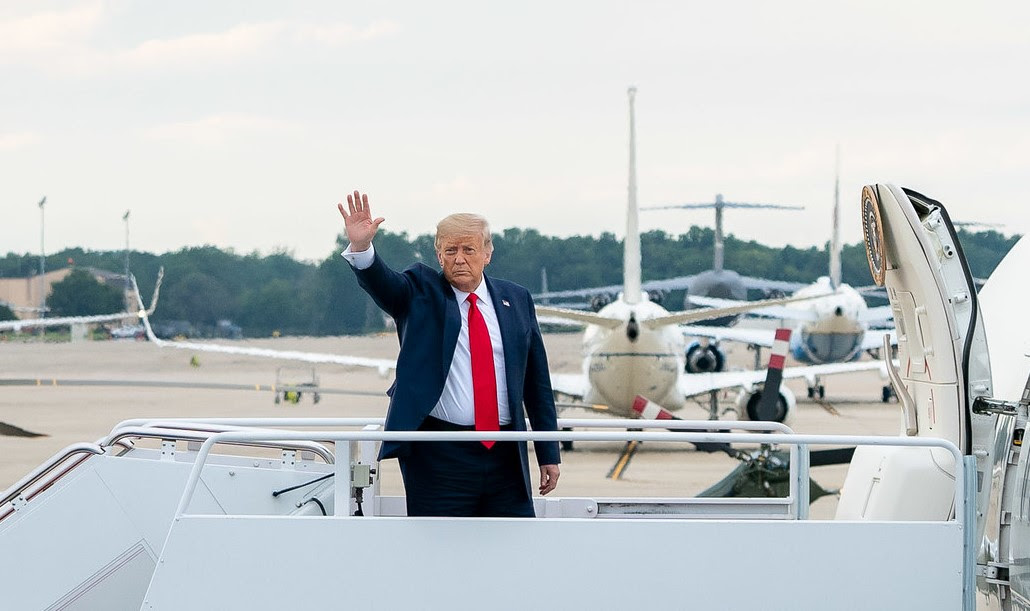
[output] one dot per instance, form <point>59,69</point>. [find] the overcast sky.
<point>241,124</point>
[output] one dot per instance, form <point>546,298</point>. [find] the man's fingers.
<point>548,478</point>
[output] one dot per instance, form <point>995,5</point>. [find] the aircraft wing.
<point>18,325</point>
<point>755,337</point>
<point>756,309</point>
<point>382,365</point>
<point>574,385</point>
<point>699,383</point>
<point>579,316</point>
<point>717,312</point>
<point>879,315</point>
<point>669,284</point>
<point>873,339</point>
<point>555,320</point>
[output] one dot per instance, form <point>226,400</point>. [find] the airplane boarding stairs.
<point>117,525</point>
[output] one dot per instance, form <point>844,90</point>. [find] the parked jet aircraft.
<point>832,327</point>
<point>18,325</point>
<point>633,346</point>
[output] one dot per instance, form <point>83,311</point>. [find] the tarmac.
<point>62,415</point>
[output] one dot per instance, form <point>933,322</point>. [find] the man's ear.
<point>439,258</point>
<point>486,260</point>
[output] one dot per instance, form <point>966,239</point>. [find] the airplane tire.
<point>811,392</point>
<point>822,391</point>
<point>566,445</point>
<point>886,395</point>
<point>779,413</point>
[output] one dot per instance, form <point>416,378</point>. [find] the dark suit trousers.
<point>463,478</point>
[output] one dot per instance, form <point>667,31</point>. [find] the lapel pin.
<point>505,302</point>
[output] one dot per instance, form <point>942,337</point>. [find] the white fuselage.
<point>620,367</point>
<point>836,330</point>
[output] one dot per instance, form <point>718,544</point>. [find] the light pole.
<point>42,264</point>
<point>128,288</point>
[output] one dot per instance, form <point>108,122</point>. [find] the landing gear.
<point>888,392</point>
<point>817,391</point>
<point>566,445</point>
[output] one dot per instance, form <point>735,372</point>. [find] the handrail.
<point>799,444</point>
<point>313,422</point>
<point>182,434</point>
<point>52,463</point>
<point>744,425</point>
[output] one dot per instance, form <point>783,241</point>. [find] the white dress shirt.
<point>457,404</point>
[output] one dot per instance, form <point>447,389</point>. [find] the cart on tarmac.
<point>292,382</point>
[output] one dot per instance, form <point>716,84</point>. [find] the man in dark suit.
<point>471,357</point>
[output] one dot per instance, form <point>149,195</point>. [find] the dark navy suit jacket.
<point>423,305</point>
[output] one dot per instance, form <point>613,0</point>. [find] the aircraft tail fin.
<point>157,290</point>
<point>835,246</point>
<point>631,246</point>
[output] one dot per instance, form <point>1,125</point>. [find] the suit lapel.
<point>451,325</point>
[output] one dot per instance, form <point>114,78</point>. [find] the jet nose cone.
<point>632,328</point>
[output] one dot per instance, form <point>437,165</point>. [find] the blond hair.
<point>464,223</point>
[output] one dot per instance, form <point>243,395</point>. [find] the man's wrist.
<point>359,259</point>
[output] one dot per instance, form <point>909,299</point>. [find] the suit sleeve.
<point>538,395</point>
<point>392,291</point>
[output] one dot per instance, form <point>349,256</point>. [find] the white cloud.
<point>201,49</point>
<point>17,140</point>
<point>49,31</point>
<point>333,34</point>
<point>67,42</point>
<point>217,129</point>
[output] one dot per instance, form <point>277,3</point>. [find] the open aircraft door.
<point>942,362</point>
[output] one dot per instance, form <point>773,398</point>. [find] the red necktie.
<point>484,379</point>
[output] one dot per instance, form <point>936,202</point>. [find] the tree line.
<point>264,294</point>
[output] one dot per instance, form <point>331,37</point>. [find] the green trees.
<point>275,292</point>
<point>80,294</point>
<point>6,313</point>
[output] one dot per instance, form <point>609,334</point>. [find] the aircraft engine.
<point>704,358</point>
<point>599,301</point>
<point>748,406</point>
<point>656,295</point>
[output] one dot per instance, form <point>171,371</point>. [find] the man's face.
<point>463,258</point>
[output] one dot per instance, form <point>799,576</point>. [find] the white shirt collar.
<point>482,292</point>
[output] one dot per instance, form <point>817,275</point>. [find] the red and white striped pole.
<point>649,410</point>
<point>774,376</point>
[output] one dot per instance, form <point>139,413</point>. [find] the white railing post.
<point>968,533</point>
<point>343,505</point>
<point>803,488</point>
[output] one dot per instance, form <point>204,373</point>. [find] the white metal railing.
<point>616,423</point>
<point>37,474</point>
<point>798,444</point>
<point>182,431</point>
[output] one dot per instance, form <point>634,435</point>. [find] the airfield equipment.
<point>292,382</point>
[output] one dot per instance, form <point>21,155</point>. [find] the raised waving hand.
<point>360,225</point>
